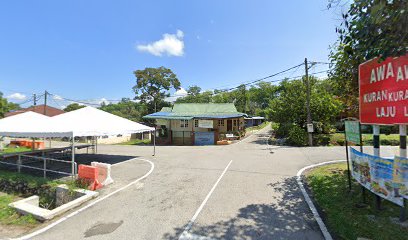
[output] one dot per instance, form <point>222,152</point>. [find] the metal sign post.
<point>376,146</point>
<point>154,142</point>
<point>363,190</point>
<point>403,153</point>
<point>352,133</point>
<point>348,161</point>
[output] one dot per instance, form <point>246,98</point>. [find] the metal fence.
<point>42,164</point>
<point>182,137</point>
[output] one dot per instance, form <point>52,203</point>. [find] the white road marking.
<point>185,233</point>
<point>33,234</point>
<point>312,207</point>
<point>189,236</point>
<point>119,163</point>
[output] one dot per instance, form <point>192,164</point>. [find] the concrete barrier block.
<point>104,171</point>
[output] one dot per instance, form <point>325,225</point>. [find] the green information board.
<point>352,131</point>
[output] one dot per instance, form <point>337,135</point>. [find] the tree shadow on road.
<point>286,217</point>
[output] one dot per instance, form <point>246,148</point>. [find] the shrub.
<point>275,126</point>
<point>321,139</point>
<point>297,136</point>
<point>283,130</point>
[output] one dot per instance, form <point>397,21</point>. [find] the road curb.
<point>312,207</point>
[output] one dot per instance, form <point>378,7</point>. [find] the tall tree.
<point>289,105</point>
<point>194,90</point>
<point>127,108</point>
<point>241,98</point>
<point>204,97</point>
<point>153,84</point>
<point>369,29</point>
<point>72,107</point>
<point>6,106</point>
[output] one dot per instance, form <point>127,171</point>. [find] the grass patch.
<point>8,216</point>
<point>31,181</point>
<point>14,150</point>
<point>329,187</point>
<point>136,142</point>
<point>24,185</point>
<point>391,139</point>
<point>264,124</point>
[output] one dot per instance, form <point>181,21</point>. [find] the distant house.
<point>42,109</point>
<point>253,121</point>
<point>197,123</point>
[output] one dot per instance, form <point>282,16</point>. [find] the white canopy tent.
<point>89,121</point>
<point>32,125</point>
<point>84,122</point>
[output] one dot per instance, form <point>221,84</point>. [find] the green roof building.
<point>198,123</point>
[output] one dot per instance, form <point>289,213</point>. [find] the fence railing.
<point>24,160</point>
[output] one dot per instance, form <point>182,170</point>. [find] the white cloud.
<point>56,97</point>
<point>103,100</point>
<point>178,94</point>
<point>170,44</point>
<point>17,96</point>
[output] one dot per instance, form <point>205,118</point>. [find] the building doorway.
<point>229,125</point>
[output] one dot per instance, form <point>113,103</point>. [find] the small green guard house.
<point>198,123</point>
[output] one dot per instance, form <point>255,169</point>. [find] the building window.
<point>221,123</point>
<point>196,123</point>
<point>235,121</point>
<point>184,123</point>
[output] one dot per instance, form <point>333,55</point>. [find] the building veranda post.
<point>198,123</point>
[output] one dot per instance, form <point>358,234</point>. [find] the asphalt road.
<point>256,195</point>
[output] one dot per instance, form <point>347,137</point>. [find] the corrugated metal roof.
<point>197,110</point>
<point>166,109</point>
<point>204,108</point>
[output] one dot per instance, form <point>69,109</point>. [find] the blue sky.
<point>88,50</point>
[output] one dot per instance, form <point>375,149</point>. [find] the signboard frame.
<point>352,131</point>
<point>205,123</point>
<point>383,91</point>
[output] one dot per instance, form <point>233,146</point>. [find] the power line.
<point>271,81</point>
<point>26,101</point>
<point>261,79</point>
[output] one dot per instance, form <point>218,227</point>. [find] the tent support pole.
<point>73,157</point>
<point>154,142</point>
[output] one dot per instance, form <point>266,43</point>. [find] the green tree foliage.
<point>252,101</point>
<point>241,98</point>
<point>153,84</point>
<point>72,107</point>
<point>259,97</point>
<point>204,97</point>
<point>127,109</point>
<point>297,136</point>
<point>289,107</point>
<point>194,90</point>
<point>369,29</point>
<point>6,106</point>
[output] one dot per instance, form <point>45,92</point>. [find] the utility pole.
<point>35,100</point>
<point>45,102</point>
<point>309,117</point>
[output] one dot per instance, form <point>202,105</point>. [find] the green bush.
<point>283,130</point>
<point>274,126</point>
<point>297,136</point>
<point>321,139</point>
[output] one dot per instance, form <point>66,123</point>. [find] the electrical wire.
<point>246,83</point>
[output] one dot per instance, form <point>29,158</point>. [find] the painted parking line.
<point>46,228</point>
<point>186,235</point>
<point>309,202</point>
